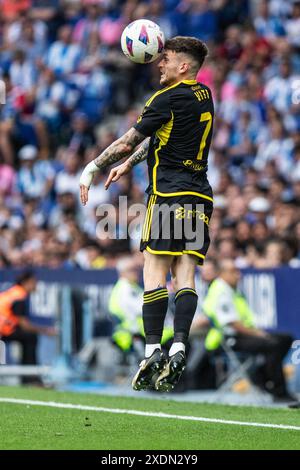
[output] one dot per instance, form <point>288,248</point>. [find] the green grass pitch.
<point>24,426</point>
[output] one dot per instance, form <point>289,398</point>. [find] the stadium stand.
<point>70,92</point>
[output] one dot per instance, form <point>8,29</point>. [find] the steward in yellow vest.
<point>219,289</point>
<point>231,316</point>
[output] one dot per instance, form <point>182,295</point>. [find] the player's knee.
<point>154,280</point>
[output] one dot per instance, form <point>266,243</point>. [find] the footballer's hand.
<point>86,179</point>
<point>84,194</point>
<point>117,172</point>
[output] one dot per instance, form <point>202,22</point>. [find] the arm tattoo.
<point>119,149</point>
<point>141,154</point>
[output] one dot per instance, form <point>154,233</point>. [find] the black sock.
<point>154,312</point>
<point>186,303</point>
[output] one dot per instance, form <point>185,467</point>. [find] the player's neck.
<point>186,79</point>
<point>175,81</point>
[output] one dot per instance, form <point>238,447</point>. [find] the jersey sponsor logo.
<point>182,213</point>
<point>192,165</point>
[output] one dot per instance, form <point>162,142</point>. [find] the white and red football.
<point>142,41</point>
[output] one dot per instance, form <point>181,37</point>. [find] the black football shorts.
<point>177,225</point>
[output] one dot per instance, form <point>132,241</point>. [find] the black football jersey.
<point>179,120</point>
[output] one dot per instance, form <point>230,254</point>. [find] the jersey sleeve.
<point>157,112</point>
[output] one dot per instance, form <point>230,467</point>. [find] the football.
<point>142,41</point>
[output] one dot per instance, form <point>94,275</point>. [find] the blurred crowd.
<point>70,92</point>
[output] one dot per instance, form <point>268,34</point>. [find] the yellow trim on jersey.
<point>159,93</point>
<point>190,82</point>
<point>163,134</point>
<point>186,82</point>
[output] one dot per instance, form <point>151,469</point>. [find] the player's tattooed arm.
<point>140,155</point>
<point>119,149</point>
<point>125,167</point>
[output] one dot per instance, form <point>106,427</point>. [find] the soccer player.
<point>178,119</point>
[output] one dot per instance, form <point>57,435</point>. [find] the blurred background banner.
<point>273,295</point>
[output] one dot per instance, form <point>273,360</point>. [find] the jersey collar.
<point>190,82</point>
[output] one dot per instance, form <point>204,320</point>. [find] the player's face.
<point>169,67</point>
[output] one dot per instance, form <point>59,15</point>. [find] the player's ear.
<point>184,67</point>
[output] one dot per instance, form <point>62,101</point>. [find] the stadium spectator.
<point>7,178</point>
<point>293,25</point>
<point>67,179</point>
<point>72,88</point>
<point>64,55</point>
<point>267,25</point>
<point>231,316</point>
<point>125,305</point>
<point>35,177</point>
<point>14,322</point>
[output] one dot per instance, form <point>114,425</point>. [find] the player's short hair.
<point>193,47</point>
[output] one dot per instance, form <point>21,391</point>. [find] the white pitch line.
<point>71,406</point>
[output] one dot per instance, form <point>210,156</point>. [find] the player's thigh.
<point>156,268</point>
<point>184,271</point>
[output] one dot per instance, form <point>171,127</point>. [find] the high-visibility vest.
<point>122,334</point>
<point>214,337</point>
<point>8,320</point>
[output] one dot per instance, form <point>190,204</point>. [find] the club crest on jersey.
<point>129,43</point>
<point>143,37</point>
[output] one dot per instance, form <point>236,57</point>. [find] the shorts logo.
<point>193,165</point>
<point>182,213</point>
